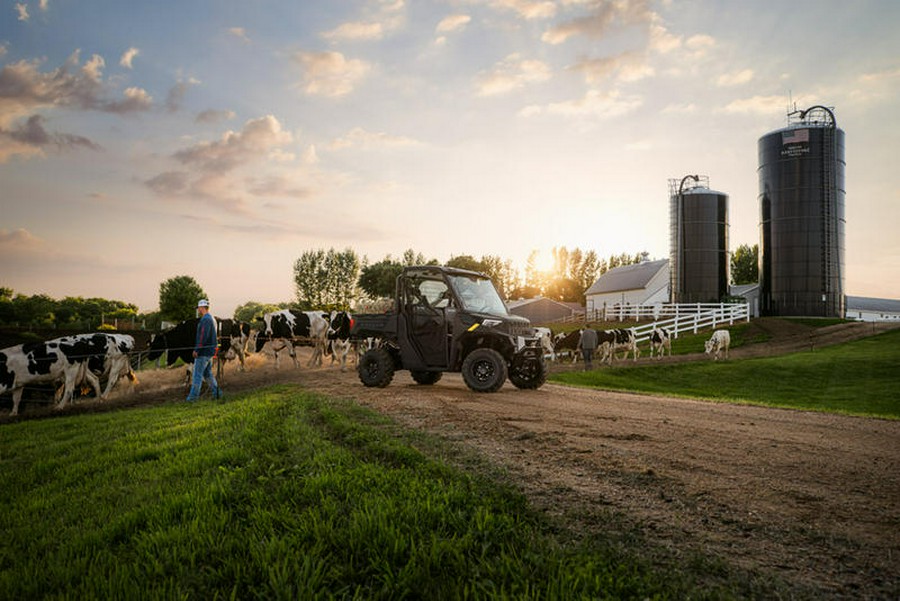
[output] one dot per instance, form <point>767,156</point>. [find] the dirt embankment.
<point>810,498</point>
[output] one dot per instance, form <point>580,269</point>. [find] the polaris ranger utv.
<point>447,319</point>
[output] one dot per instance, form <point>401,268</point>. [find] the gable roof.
<point>627,277</point>
<point>875,305</point>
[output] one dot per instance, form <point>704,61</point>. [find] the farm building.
<point>748,292</point>
<point>543,310</point>
<point>862,308</point>
<point>644,283</point>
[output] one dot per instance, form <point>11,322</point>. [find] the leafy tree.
<point>178,298</point>
<point>745,264</point>
<point>379,279</point>
<point>327,279</point>
<point>252,311</point>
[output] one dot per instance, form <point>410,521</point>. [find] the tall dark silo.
<point>699,261</point>
<point>802,222</point>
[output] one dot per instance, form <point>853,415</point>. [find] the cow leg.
<point>117,367</point>
<point>71,375</point>
<point>16,398</point>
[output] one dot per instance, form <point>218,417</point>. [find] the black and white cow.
<point>545,335</point>
<point>69,359</point>
<point>660,341</point>
<point>287,328</point>
<point>566,344</point>
<point>233,337</point>
<point>719,341</point>
<point>627,341</point>
<point>177,343</point>
<point>339,343</point>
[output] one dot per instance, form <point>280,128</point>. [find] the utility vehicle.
<point>449,320</point>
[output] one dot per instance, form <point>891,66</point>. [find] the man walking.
<point>204,350</point>
<point>588,344</point>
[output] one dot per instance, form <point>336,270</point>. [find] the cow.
<point>233,337</point>
<point>115,363</point>
<point>177,343</point>
<point>339,344</point>
<point>68,358</point>
<point>606,344</point>
<point>545,335</point>
<point>720,340</point>
<point>625,339</point>
<point>660,341</point>
<point>566,344</point>
<point>288,328</point>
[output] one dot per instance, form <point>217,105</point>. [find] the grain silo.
<point>698,240</point>
<point>801,201</point>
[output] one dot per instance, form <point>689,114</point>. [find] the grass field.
<point>284,495</point>
<point>857,378</point>
<point>287,495</point>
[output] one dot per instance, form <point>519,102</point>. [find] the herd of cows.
<point>87,359</point>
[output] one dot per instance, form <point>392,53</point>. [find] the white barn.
<point>645,283</point>
<point>863,308</point>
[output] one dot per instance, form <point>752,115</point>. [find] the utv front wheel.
<point>376,368</point>
<point>426,378</point>
<point>484,370</point>
<point>530,375</point>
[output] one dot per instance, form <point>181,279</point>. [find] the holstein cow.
<point>233,337</point>
<point>545,335</point>
<point>110,366</point>
<point>285,328</point>
<point>67,358</point>
<point>339,344</point>
<point>659,342</point>
<point>177,343</point>
<point>720,340</point>
<point>566,345</point>
<point>625,339</point>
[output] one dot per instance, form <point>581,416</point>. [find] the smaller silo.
<point>699,262</point>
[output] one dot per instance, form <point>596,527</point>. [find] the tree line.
<point>336,279</point>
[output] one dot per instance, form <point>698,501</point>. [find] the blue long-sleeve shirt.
<point>206,336</point>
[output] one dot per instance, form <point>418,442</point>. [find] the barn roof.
<point>880,305</point>
<point>627,277</point>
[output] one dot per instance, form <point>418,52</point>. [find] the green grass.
<point>285,495</point>
<point>857,378</point>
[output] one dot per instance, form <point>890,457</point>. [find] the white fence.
<point>675,318</point>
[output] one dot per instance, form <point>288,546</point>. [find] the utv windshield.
<point>478,295</point>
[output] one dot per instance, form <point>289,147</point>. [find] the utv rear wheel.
<point>376,368</point>
<point>484,370</point>
<point>426,378</point>
<point>531,375</point>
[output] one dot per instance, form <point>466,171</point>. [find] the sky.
<point>222,139</point>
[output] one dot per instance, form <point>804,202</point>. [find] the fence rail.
<point>674,317</point>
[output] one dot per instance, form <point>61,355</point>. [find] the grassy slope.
<point>860,378</point>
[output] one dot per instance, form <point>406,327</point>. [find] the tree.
<point>252,311</point>
<point>178,298</point>
<point>327,279</point>
<point>745,265</point>
<point>379,279</point>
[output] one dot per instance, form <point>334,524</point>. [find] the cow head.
<point>339,325</point>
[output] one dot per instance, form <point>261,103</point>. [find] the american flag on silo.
<point>795,136</point>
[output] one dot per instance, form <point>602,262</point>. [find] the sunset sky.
<point>222,139</point>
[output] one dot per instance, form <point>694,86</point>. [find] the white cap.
<point>203,303</point>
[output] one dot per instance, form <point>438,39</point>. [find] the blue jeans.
<point>203,371</point>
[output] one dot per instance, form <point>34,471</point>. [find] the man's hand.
<point>195,354</point>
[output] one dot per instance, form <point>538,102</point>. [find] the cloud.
<point>22,11</point>
<point>386,19</point>
<point>177,92</point>
<point>762,105</point>
<point>602,17</point>
<point>735,79</point>
<point>24,89</point>
<point>206,169</point>
<point>214,116</point>
<point>4,48</point>
<point>452,23</point>
<point>595,104</point>
<point>700,45</point>
<point>355,31</point>
<point>360,138</point>
<point>330,74</point>
<point>30,139</point>
<point>510,74</point>
<point>18,239</point>
<point>627,66</point>
<point>528,9</point>
<point>127,59</point>
<point>44,5</point>
<point>240,33</point>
